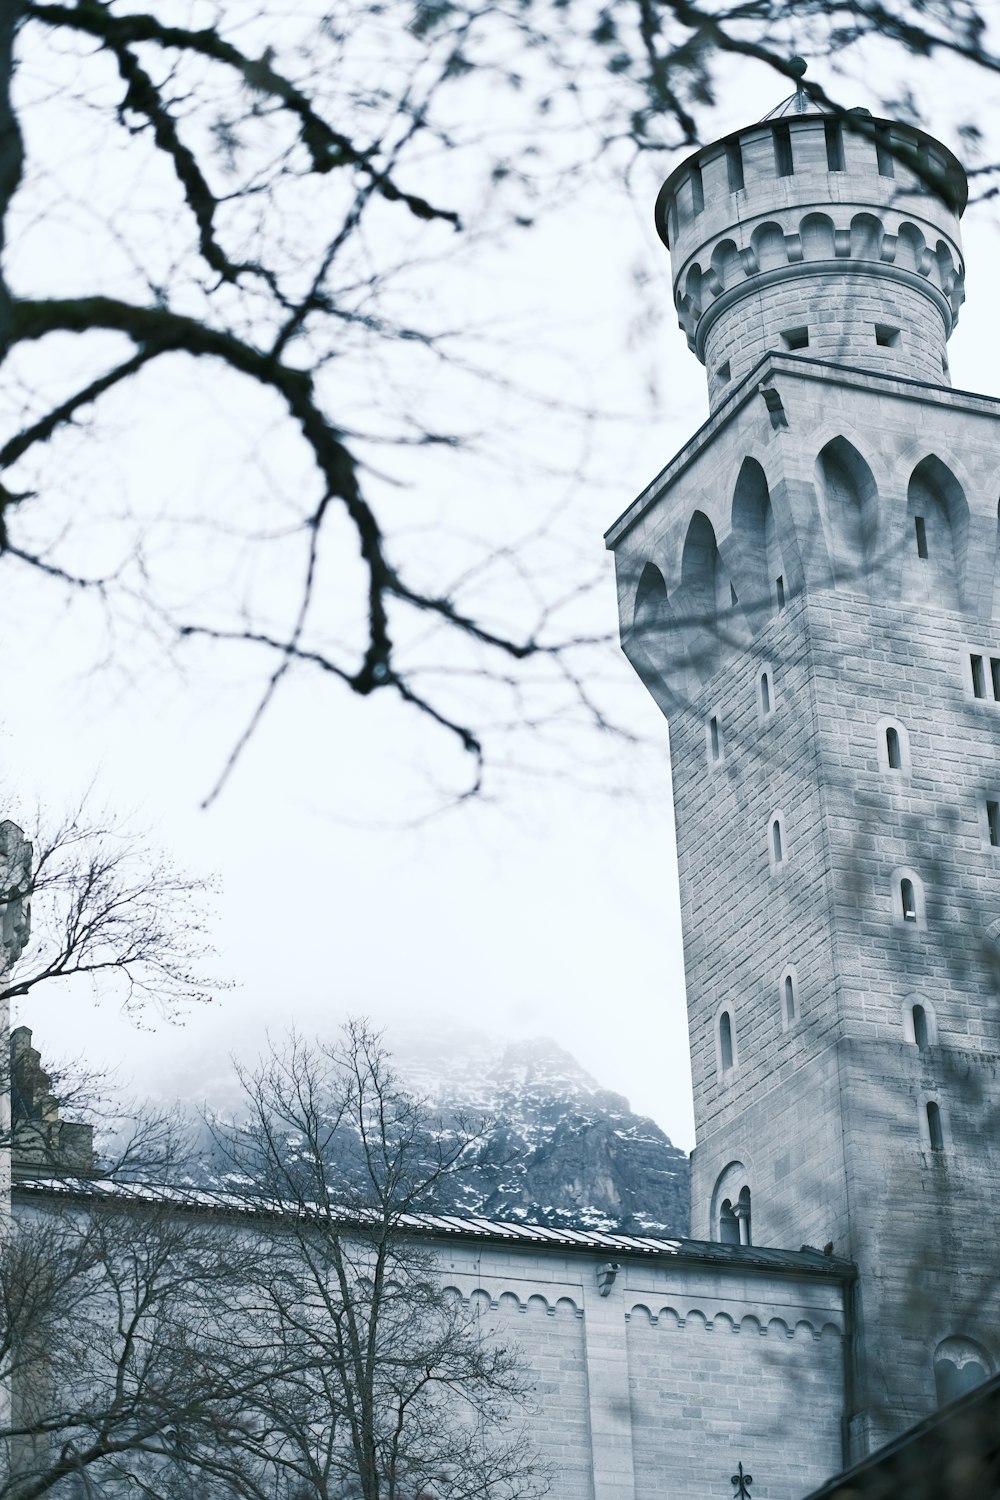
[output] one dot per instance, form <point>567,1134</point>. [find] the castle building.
<point>808,592</point>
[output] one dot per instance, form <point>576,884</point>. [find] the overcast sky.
<point>551,909</point>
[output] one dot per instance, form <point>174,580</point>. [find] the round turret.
<point>835,239</point>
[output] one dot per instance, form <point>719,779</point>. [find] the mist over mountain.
<point>557,1149</point>
<point>562,1151</point>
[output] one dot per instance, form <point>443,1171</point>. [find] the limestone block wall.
<point>833,314</point>
<point>681,1371</point>
<point>839,533</point>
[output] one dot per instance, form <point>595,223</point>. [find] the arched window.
<point>893,745</point>
<point>705,590</point>
<point>935,1131</point>
<point>960,1365</point>
<point>892,749</point>
<point>919,1022</point>
<point>939,522</point>
<point>726,1041</point>
<point>729,1228</point>
<point>789,998</point>
<point>765,692</point>
<point>908,900</point>
<point>742,1212</point>
<point>849,508</point>
<point>776,846</point>
<point>755,528</point>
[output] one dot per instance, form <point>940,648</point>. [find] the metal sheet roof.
<point>807,1261</point>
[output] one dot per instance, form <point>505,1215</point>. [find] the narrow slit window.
<point>776,844</point>
<point>783,163</point>
<point>883,151</point>
<point>993,821</point>
<point>978,676</point>
<point>920,1027</point>
<point>734,161</point>
<point>834,146</point>
<point>734,597</point>
<point>697,191</point>
<point>726,1041</point>
<point>714,736</point>
<point>934,1129</point>
<point>765,693</point>
<point>921,530</point>
<point>995,676</point>
<point>892,749</point>
<point>789,998</point>
<point>909,900</point>
<point>779,589</point>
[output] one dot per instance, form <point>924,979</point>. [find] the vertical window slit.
<point>783,162</point>
<point>789,998</point>
<point>734,161</point>
<point>993,821</point>
<point>909,900</point>
<point>715,737</point>
<point>995,676</point>
<point>697,190</point>
<point>921,530</point>
<point>776,841</point>
<point>978,676</point>
<point>920,1027</point>
<point>779,589</point>
<point>834,146</point>
<point>726,1041</point>
<point>934,1129</point>
<point>892,749</point>
<point>883,151</point>
<point>765,693</point>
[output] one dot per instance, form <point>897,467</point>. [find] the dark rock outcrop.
<point>559,1150</point>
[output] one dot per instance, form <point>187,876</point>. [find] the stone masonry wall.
<point>827,1114</point>
<point>662,1386</point>
<point>839,310</point>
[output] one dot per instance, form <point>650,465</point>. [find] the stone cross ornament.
<point>15,894</point>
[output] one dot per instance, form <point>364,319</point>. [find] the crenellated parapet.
<point>833,238</point>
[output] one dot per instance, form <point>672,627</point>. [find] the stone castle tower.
<point>808,591</point>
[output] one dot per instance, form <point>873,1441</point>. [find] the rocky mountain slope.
<point>561,1151</point>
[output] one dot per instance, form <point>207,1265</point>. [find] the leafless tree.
<point>379,1382</point>
<point>111,1300</point>
<point>287,196</point>
<point>106,905</point>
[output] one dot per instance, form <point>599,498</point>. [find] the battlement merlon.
<point>813,232</point>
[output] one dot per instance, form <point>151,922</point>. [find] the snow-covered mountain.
<point>559,1149</point>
